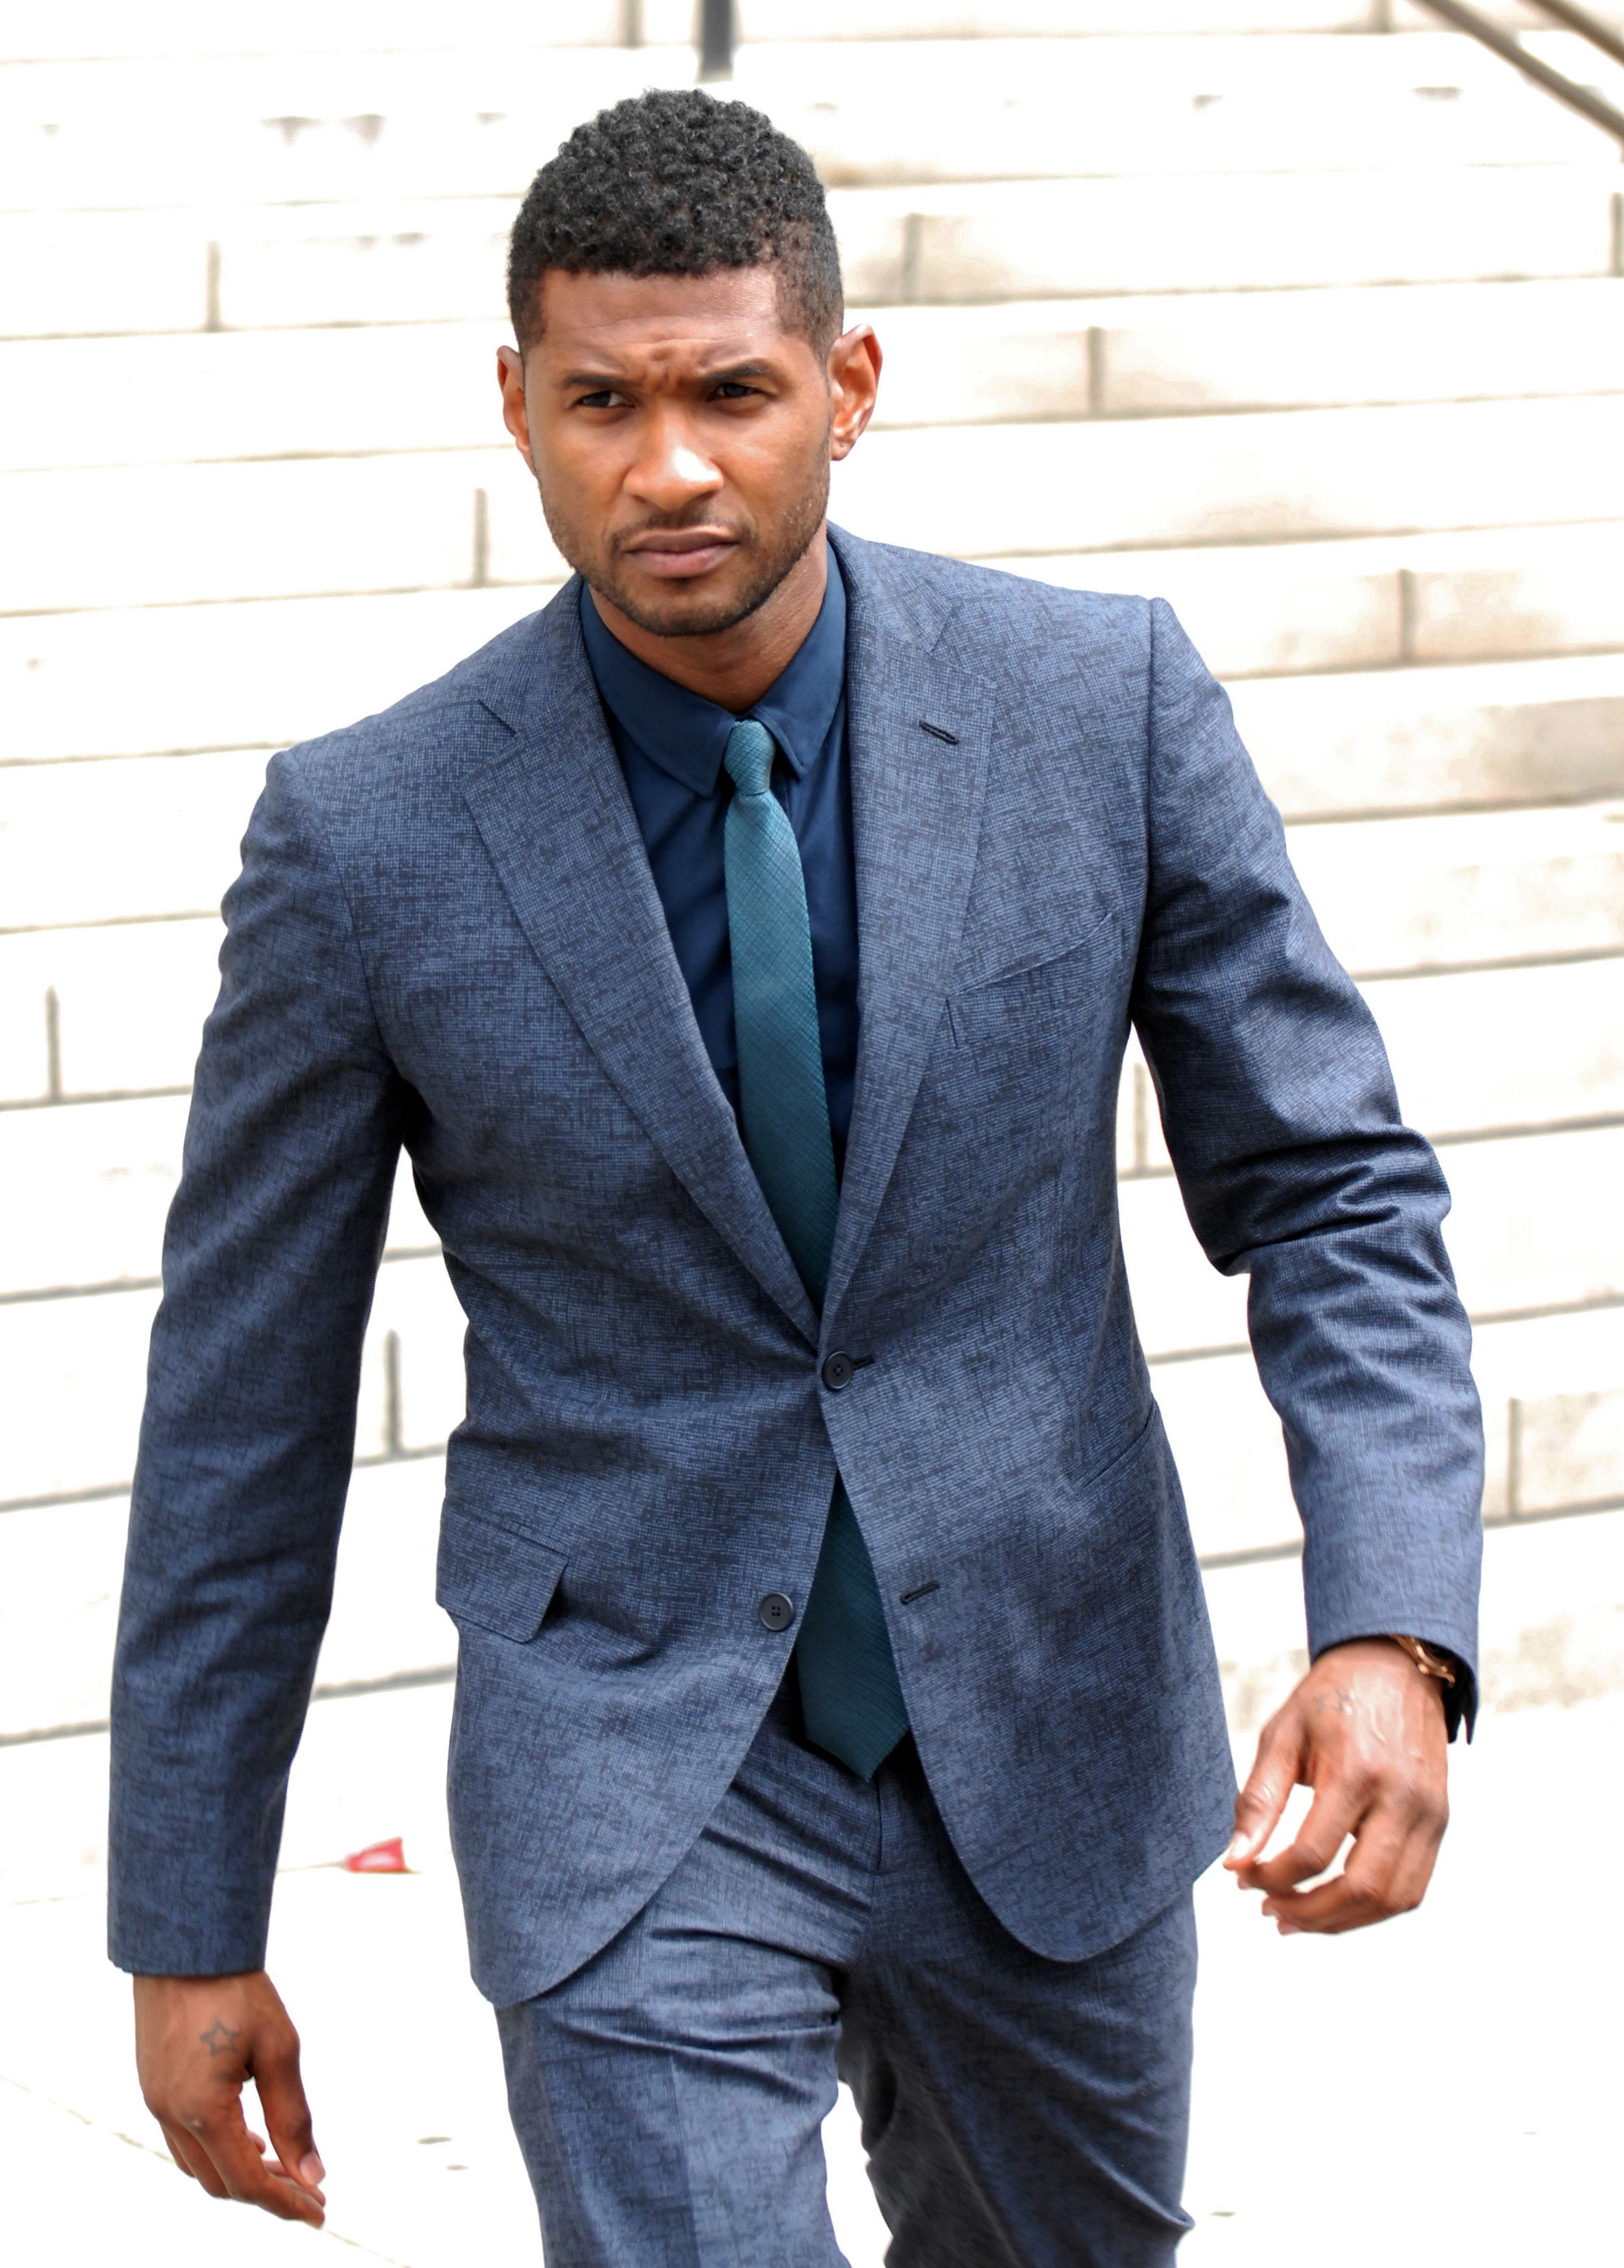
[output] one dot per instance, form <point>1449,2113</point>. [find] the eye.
<point>733,389</point>
<point>606,398</point>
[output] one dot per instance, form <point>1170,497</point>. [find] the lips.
<point>677,554</point>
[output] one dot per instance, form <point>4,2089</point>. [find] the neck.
<point>734,668</point>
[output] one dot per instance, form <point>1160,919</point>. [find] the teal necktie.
<point>850,1699</point>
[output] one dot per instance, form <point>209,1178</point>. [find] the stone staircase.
<point>1314,329</point>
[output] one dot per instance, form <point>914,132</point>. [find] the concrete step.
<point>1027,240</point>
<point>1552,1412</point>
<point>1272,476</point>
<point>1214,20</point>
<point>207,396</point>
<point>1495,1047</point>
<point>1552,1416</point>
<point>1551,1636</point>
<point>1473,1053</point>
<point>419,260</point>
<point>282,130</point>
<point>36,30</point>
<point>92,274</point>
<point>1548,1583</point>
<point>159,836</point>
<point>1000,111</point>
<point>73,1375</point>
<point>202,396</point>
<point>1193,353</point>
<point>182,30</point>
<point>1534,1227</point>
<point>107,1010</point>
<point>173,534</point>
<point>971,20</point>
<point>135,681</point>
<point>56,1662</point>
<point>166,534</point>
<point>138,840</point>
<point>74,1368</point>
<point>1395,895</point>
<point>1488,734</point>
<point>336,129</point>
<point>168,679</point>
<point>1372,602</point>
<point>100,1178</point>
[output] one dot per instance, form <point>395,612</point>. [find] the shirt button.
<point>776,1612</point>
<point>838,1371</point>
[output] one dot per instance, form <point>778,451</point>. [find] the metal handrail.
<point>717,33</point>
<point>1584,99</point>
<point>1588,27</point>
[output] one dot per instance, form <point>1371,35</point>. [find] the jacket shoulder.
<point>986,616</point>
<point>429,734</point>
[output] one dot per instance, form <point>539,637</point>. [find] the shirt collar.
<point>684,734</point>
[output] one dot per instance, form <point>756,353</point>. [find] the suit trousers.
<point>1017,2112</point>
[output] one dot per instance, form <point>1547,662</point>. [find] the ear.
<point>855,361</point>
<point>515,411</point>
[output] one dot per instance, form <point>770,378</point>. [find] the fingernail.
<point>1240,1843</point>
<point>310,2168</point>
<point>1290,1929</point>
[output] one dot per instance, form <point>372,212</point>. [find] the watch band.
<point>1428,1663</point>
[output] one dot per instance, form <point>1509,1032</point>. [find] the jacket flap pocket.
<point>1043,953</point>
<point>494,1576</point>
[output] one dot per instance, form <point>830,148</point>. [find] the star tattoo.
<point>218,2038</point>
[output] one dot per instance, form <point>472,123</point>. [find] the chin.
<point>698,608</point>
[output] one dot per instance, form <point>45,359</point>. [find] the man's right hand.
<point>198,2039</point>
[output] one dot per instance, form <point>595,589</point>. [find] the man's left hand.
<point>1365,1730</point>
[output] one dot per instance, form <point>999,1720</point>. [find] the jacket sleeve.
<point>1284,1127</point>
<point>269,1259</point>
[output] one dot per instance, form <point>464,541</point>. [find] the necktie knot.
<point>749,756</point>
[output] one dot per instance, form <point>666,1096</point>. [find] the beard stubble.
<point>770,552</point>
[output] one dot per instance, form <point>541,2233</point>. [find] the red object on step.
<point>378,1859</point>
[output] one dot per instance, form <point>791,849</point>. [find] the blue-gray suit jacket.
<point>446,935</point>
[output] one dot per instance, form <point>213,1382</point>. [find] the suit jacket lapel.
<point>916,807</point>
<point>559,825</point>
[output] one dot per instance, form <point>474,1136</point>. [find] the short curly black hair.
<point>673,182</point>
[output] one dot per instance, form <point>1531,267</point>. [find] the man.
<point>744,950</point>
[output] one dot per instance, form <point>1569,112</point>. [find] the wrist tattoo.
<point>220,2039</point>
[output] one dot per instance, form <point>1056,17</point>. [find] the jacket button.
<point>838,1371</point>
<point>777,1611</point>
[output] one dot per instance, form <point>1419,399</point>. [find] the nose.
<point>670,473</point>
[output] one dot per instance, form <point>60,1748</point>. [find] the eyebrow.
<point>598,380</point>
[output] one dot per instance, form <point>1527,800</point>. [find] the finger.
<point>220,2152</point>
<point>268,2158</point>
<point>1258,1805</point>
<point>1334,1814</point>
<point>192,2159</point>
<point>251,2180</point>
<point>1386,1873</point>
<point>287,2111</point>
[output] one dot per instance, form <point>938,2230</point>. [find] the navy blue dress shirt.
<point>671,743</point>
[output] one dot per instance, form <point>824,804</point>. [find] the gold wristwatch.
<point>1428,1663</point>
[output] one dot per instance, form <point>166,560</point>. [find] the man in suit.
<point>744,950</point>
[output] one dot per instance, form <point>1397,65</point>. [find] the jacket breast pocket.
<point>1032,1035</point>
<point>494,1576</point>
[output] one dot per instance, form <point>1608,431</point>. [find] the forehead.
<point>731,314</point>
